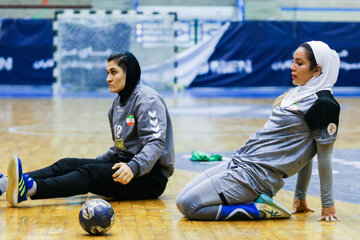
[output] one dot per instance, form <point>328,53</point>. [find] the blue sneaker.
<point>269,208</point>
<point>18,183</point>
<point>3,183</point>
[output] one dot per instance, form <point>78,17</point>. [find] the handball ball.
<point>96,216</point>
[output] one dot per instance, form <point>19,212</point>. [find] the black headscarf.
<point>133,73</point>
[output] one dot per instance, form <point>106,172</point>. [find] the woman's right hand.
<point>300,206</point>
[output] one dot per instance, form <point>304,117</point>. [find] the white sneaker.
<point>269,208</point>
<point>3,183</point>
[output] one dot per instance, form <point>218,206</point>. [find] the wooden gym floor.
<point>43,130</point>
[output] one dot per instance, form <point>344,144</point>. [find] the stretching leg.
<point>201,202</point>
<point>222,193</point>
<point>62,167</point>
<point>204,203</point>
<point>97,178</point>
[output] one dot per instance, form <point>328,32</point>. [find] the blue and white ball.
<point>96,216</point>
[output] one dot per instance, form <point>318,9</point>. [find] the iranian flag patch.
<point>130,120</point>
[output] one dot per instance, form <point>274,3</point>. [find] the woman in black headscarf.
<point>136,167</point>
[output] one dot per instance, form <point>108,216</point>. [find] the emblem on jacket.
<point>152,114</point>
<point>119,109</point>
<point>130,120</point>
<point>119,143</point>
<point>293,107</point>
<point>154,124</point>
<point>331,128</point>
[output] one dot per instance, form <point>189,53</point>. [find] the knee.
<point>178,202</point>
<point>62,162</point>
<point>186,205</point>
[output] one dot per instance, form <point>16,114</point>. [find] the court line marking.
<point>355,164</point>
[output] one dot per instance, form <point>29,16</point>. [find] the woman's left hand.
<point>124,174</point>
<point>300,206</point>
<point>328,214</point>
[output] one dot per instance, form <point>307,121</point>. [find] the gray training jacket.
<point>142,127</point>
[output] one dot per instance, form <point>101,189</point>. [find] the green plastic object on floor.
<point>199,156</point>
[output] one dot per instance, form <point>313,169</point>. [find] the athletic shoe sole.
<point>12,191</point>
<point>264,199</point>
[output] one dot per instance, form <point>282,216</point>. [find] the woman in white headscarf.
<point>303,124</point>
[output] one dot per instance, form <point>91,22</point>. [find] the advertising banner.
<point>259,53</point>
<point>26,52</point>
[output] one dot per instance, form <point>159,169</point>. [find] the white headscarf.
<point>329,61</point>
